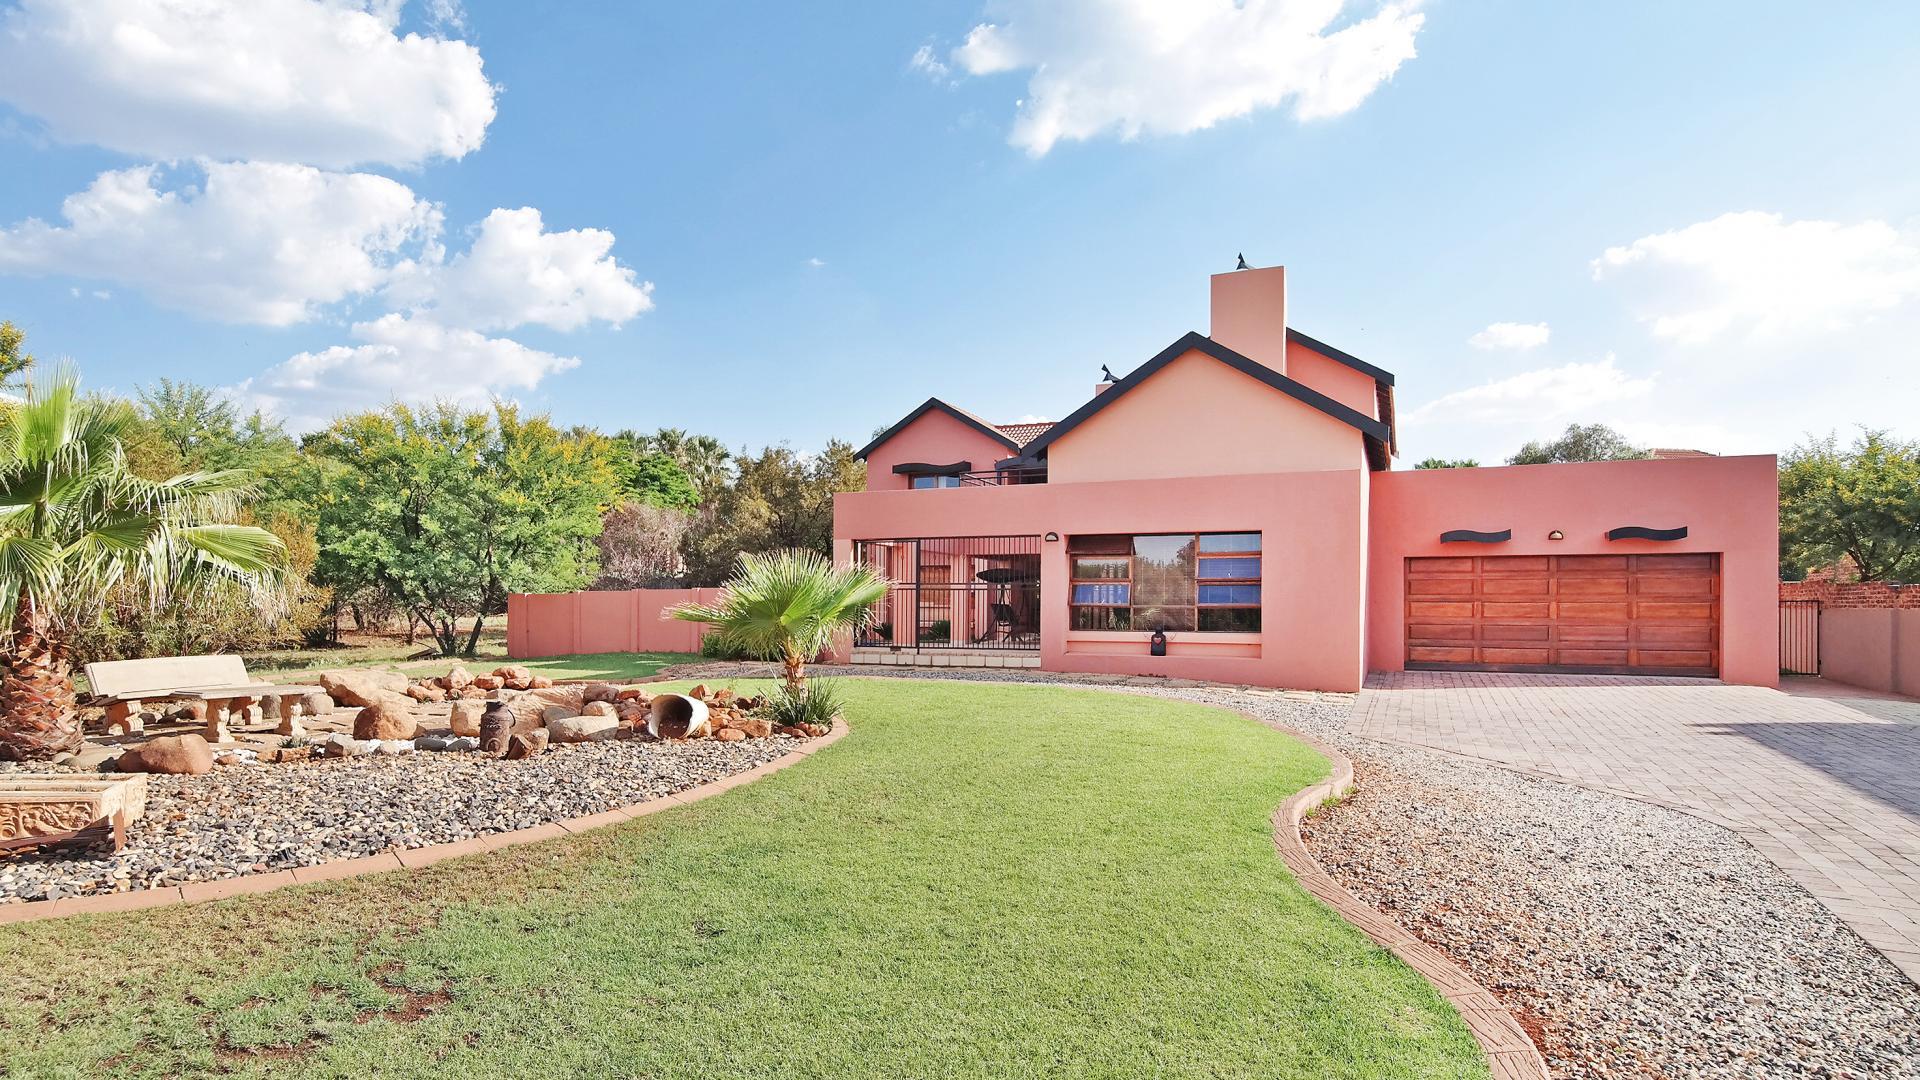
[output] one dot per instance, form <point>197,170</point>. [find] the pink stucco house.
<point>1228,510</point>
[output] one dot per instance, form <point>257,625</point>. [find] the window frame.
<point>1200,581</point>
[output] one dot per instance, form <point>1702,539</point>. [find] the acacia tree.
<point>780,499</point>
<point>447,510</point>
<point>1591,442</point>
<point>1861,501</point>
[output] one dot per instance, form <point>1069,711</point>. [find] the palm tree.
<point>790,605</point>
<point>76,524</point>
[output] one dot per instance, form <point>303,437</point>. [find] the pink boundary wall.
<point>632,620</point>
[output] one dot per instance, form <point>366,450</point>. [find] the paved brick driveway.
<point>1823,781</point>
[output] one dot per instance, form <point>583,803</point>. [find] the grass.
<point>391,650</point>
<point>980,881</point>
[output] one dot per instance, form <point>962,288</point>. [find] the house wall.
<point>1199,417</point>
<point>934,439</point>
<point>1313,527</point>
<point>1351,388</point>
<point>628,620</point>
<point>1730,505</point>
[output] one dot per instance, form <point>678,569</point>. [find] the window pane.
<point>1159,617</point>
<point>1230,594</point>
<point>1162,571</point>
<point>1244,620</point>
<point>1230,568</point>
<point>1229,542</point>
<point>936,481</point>
<point>1100,618</point>
<point>1100,594</point>
<point>1099,544</point>
<point>1096,569</point>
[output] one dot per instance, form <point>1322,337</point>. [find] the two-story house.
<point>1228,510</point>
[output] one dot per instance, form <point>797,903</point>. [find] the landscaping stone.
<point>753,726</point>
<point>554,713</point>
<point>178,755</point>
<point>424,692</point>
<point>730,734</point>
<point>388,716</point>
<point>573,729</point>
<point>599,708</point>
<point>540,682</point>
<point>457,680</point>
<point>360,686</point>
<point>317,704</point>
<point>393,746</point>
<point>514,677</point>
<point>465,717</point>
<point>599,692</point>
<point>488,682</point>
<point>521,747</point>
<point>340,744</point>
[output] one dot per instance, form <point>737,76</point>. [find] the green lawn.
<point>613,667</point>
<point>980,881</point>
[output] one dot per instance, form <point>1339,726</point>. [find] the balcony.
<point>929,478</point>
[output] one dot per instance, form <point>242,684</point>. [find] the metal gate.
<point>1799,637</point>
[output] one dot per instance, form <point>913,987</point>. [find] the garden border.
<point>404,858</point>
<point>1511,1054</point>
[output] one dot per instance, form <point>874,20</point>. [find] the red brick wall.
<point>1853,594</point>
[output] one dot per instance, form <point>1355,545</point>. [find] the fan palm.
<point>789,605</point>
<point>77,525</point>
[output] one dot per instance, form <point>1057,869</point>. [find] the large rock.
<point>600,692</point>
<point>488,682</point>
<point>317,704</point>
<point>526,746</point>
<point>599,708</point>
<point>540,682</point>
<point>753,726</point>
<point>457,680</point>
<point>514,677</point>
<point>360,686</point>
<point>465,718</point>
<point>425,692</point>
<point>387,718</point>
<point>531,707</point>
<point>571,729</point>
<point>556,712</point>
<point>181,755</point>
<point>730,734</point>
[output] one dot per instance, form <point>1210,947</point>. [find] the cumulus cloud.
<point>1511,335</point>
<point>1167,67</point>
<point>1543,394</point>
<point>517,273</point>
<point>926,63</point>
<point>256,243</point>
<point>1757,275</point>
<point>397,359</point>
<point>323,82</point>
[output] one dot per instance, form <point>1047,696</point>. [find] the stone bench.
<point>62,809</point>
<point>222,682</point>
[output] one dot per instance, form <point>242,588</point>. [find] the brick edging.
<point>1511,1054</point>
<point>403,859</point>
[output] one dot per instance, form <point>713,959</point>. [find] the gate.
<point>1799,637</point>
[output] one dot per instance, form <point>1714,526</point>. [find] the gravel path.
<point>1632,940</point>
<point>246,819</point>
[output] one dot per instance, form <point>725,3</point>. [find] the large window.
<point>936,481</point>
<point>1208,582</point>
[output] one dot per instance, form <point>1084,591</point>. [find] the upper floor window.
<point>1206,582</point>
<point>936,481</point>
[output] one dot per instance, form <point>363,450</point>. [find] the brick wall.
<point>1853,594</point>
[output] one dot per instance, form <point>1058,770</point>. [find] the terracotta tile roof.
<point>1024,433</point>
<point>1665,453</point>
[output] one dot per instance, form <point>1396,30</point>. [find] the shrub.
<point>713,647</point>
<point>937,630</point>
<point>816,703</point>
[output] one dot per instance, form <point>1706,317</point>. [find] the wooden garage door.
<point>1647,614</point>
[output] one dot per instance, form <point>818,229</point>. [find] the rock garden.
<point>378,761</point>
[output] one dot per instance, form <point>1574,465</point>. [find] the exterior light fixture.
<point>1053,538</point>
<point>1556,535</point>
<point>1157,644</point>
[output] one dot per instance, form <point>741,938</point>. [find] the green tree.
<point>1860,501</point>
<point>1593,442</point>
<point>183,426</point>
<point>447,510</point>
<point>706,462</point>
<point>14,361</point>
<point>1447,463</point>
<point>657,480</point>
<point>789,605</point>
<point>75,525</point>
<point>778,499</point>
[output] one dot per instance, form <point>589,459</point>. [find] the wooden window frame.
<point>1075,581</point>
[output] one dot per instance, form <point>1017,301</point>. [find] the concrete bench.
<point>61,809</point>
<point>232,696</point>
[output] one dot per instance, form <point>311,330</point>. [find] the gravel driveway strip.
<point>1631,940</point>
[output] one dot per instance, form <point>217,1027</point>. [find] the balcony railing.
<point>1003,477</point>
<point>955,592</point>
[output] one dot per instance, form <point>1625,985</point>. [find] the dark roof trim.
<point>1641,532</point>
<point>1470,536</point>
<point>921,468</point>
<point>1190,342</point>
<point>961,415</point>
<point>1379,375</point>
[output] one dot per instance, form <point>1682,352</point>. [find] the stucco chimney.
<point>1250,314</point>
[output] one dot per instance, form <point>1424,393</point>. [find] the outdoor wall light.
<point>1053,538</point>
<point>1556,535</point>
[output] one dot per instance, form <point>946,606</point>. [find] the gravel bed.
<point>1631,940</point>
<point>249,819</point>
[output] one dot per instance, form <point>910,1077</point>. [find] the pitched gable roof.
<point>1025,433</point>
<point>1375,431</point>
<point>961,415</point>
<point>1379,375</point>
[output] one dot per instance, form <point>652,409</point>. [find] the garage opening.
<point>1614,614</point>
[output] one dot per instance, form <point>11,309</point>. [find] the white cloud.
<point>1544,394</point>
<point>398,359</point>
<point>517,273</point>
<point>1511,335</point>
<point>1757,275</point>
<point>1167,67</point>
<point>257,243</point>
<point>324,82</point>
<point>925,62</point>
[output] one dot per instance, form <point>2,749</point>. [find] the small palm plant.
<point>77,525</point>
<point>789,605</point>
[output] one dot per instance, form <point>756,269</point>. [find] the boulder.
<point>489,682</point>
<point>724,697</point>
<point>699,691</point>
<point>343,745</point>
<point>790,731</point>
<point>527,745</point>
<point>631,713</point>
<point>316,704</point>
<point>730,735</point>
<point>552,713</point>
<point>752,726</point>
<point>389,716</point>
<point>514,676</point>
<point>540,682</point>
<point>424,692</point>
<point>632,693</point>
<point>598,708</point>
<point>531,707</point>
<point>472,693</point>
<point>360,686</point>
<point>600,692</point>
<point>572,729</point>
<point>180,755</point>
<point>393,746</point>
<point>457,680</point>
<point>465,718</point>
<point>433,742</point>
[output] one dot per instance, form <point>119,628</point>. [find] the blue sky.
<point>802,231</point>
